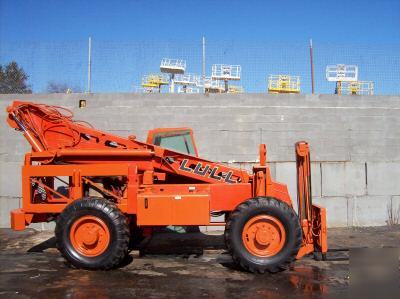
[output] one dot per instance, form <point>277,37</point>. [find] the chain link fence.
<point>120,66</point>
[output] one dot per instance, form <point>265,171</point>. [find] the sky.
<point>50,37</point>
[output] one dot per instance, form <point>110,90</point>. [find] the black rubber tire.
<point>258,206</point>
<point>112,217</point>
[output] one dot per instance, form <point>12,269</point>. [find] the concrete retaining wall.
<point>355,141</point>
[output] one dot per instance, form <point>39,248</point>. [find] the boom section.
<point>197,168</point>
<point>56,137</point>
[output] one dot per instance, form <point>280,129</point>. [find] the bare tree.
<point>56,87</point>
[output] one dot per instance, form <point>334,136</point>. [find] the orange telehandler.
<point>142,185</point>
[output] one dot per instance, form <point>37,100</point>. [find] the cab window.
<point>179,141</point>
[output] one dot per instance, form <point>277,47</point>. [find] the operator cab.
<point>177,139</point>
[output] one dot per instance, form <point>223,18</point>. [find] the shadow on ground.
<point>177,265</point>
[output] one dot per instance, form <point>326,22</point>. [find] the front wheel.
<point>92,233</point>
<point>263,234</point>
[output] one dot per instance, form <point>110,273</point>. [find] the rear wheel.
<point>263,234</point>
<point>92,233</point>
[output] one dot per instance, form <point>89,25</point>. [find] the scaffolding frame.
<point>187,83</point>
<point>226,72</point>
<point>188,89</point>
<point>235,89</point>
<point>154,82</point>
<point>355,88</point>
<point>283,84</point>
<point>187,79</point>
<point>211,85</point>
<point>173,66</point>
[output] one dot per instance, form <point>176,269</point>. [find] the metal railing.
<point>169,65</point>
<point>235,89</point>
<point>226,72</point>
<point>355,88</point>
<point>213,85</point>
<point>187,79</point>
<point>154,80</point>
<point>283,84</point>
<point>187,89</point>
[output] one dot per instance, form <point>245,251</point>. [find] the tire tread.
<point>241,210</point>
<point>116,217</point>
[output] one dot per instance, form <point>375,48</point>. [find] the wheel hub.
<point>90,236</point>
<point>264,236</point>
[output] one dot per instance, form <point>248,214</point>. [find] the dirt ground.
<point>178,265</point>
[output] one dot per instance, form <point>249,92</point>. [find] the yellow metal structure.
<point>154,82</point>
<point>283,84</point>
<point>355,87</point>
